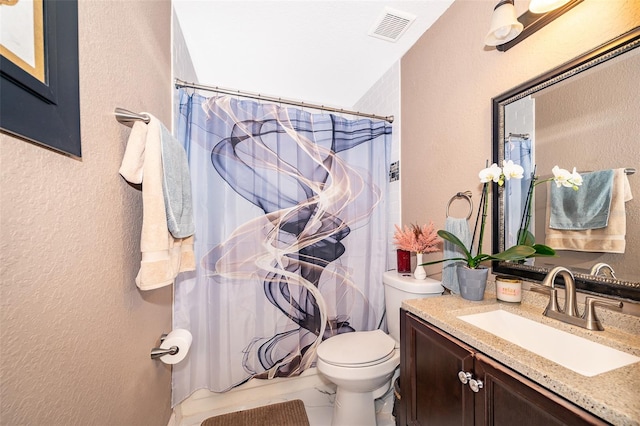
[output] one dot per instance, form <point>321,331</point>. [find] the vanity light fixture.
<point>504,24</point>
<point>506,31</point>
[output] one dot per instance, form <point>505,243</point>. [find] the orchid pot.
<point>472,282</point>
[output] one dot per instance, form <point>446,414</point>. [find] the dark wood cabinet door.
<point>508,398</point>
<point>431,392</point>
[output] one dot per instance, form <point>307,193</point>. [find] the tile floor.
<point>318,403</point>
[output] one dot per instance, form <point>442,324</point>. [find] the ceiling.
<point>311,51</point>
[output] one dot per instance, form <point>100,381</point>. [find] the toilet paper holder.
<point>158,352</point>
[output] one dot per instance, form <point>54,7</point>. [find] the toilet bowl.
<point>362,364</point>
<point>359,364</point>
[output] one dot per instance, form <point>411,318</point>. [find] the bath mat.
<point>289,413</point>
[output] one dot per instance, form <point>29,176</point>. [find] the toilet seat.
<point>357,349</point>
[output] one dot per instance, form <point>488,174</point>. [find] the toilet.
<point>363,364</point>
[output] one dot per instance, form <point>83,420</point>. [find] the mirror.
<point>583,114</point>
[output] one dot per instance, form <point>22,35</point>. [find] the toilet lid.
<point>361,348</point>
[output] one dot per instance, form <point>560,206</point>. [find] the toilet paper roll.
<point>179,338</point>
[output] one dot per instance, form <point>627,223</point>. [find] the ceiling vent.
<point>391,24</point>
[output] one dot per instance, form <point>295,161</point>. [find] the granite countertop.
<point>612,396</point>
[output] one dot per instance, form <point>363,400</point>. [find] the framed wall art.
<point>40,99</point>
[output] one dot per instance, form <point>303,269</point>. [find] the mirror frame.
<point>587,283</point>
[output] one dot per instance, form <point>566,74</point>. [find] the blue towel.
<point>586,208</point>
<point>459,228</point>
<point>176,186</point>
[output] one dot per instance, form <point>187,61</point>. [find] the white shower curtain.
<point>290,237</point>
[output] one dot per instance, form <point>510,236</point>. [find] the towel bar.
<point>127,117</point>
<point>518,135</point>
<point>627,171</point>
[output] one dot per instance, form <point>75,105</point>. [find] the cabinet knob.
<point>475,385</point>
<point>464,377</point>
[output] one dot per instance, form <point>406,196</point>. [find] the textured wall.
<point>181,61</point>
<point>448,80</point>
<point>75,331</point>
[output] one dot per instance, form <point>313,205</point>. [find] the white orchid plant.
<point>526,246</point>
<point>562,178</point>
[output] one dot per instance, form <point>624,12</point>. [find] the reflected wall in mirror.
<point>583,114</point>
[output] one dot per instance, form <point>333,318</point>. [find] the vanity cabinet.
<point>432,393</point>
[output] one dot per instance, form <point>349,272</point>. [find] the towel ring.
<point>467,196</point>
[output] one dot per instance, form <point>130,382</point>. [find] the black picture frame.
<point>47,113</point>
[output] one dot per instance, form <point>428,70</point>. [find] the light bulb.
<point>544,6</point>
<point>502,32</point>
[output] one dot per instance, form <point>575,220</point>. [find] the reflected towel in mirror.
<point>586,208</point>
<point>610,239</point>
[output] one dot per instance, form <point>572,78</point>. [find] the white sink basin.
<point>573,352</point>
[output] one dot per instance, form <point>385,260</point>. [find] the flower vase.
<point>420,273</point>
<point>472,281</point>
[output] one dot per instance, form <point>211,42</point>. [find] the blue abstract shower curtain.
<point>290,237</point>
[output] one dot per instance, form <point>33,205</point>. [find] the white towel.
<point>610,239</point>
<point>163,256</point>
<point>459,228</point>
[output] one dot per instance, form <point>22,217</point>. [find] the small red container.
<point>404,261</point>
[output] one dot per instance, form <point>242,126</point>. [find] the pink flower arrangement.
<point>416,238</point>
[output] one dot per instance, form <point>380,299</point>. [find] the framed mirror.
<point>583,114</point>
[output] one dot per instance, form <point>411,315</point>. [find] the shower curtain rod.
<point>519,135</point>
<point>181,83</point>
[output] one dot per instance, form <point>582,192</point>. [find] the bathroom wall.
<point>448,79</point>
<point>76,332</point>
<point>182,65</point>
<point>383,98</point>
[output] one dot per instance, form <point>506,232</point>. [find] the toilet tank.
<point>399,287</point>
